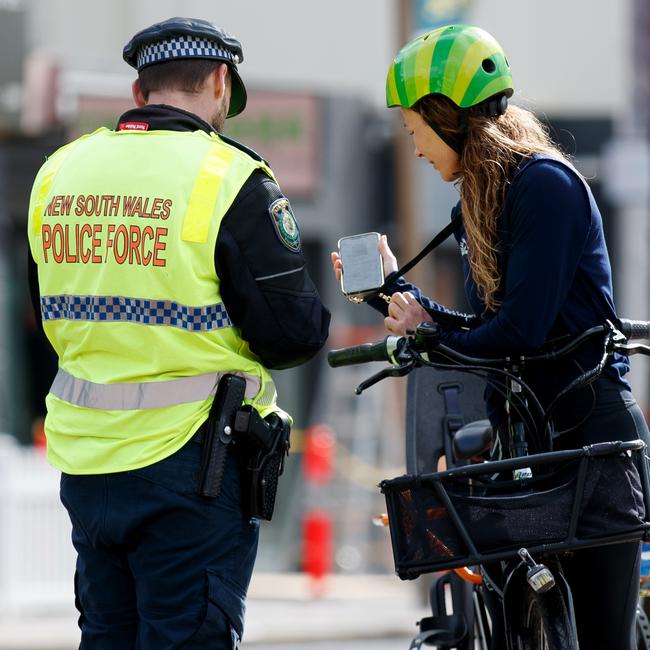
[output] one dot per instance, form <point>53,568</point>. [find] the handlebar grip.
<point>379,351</point>
<point>634,329</point>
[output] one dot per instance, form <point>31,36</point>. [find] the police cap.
<point>189,38</point>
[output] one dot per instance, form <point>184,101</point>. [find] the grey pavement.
<point>283,609</point>
<point>391,643</point>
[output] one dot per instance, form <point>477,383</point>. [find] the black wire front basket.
<point>476,514</point>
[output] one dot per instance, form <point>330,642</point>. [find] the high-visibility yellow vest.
<point>123,227</point>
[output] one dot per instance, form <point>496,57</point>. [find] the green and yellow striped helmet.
<point>461,62</point>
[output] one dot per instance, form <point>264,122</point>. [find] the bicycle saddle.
<point>472,439</point>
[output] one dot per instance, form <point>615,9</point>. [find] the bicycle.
<point>435,518</point>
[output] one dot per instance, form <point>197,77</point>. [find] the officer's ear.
<point>138,97</point>
<point>220,80</point>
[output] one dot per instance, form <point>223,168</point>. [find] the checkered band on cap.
<point>135,310</point>
<point>182,47</point>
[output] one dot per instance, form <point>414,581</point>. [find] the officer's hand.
<point>390,261</point>
<point>404,313</point>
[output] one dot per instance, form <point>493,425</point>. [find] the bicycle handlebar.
<point>634,329</point>
<point>390,347</point>
<point>380,351</point>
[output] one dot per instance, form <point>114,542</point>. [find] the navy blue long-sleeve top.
<point>555,274</point>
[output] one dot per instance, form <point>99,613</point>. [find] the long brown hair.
<point>492,147</point>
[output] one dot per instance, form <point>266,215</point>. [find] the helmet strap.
<point>492,108</point>
<point>455,143</point>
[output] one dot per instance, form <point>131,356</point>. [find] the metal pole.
<point>408,230</point>
<point>627,180</point>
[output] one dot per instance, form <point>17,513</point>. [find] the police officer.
<point>164,255</point>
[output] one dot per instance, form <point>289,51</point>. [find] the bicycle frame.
<point>467,599</point>
<point>514,583</point>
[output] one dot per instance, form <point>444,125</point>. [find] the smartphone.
<point>363,271</point>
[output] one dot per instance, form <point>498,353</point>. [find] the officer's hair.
<point>186,75</point>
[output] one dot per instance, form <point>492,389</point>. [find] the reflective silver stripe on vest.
<point>143,311</point>
<point>147,395</point>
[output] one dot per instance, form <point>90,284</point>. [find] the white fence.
<point>36,555</point>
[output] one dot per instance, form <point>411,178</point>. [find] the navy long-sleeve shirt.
<point>555,274</point>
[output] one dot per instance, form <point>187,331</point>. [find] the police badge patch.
<point>285,224</point>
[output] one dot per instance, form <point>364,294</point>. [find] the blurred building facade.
<point>316,74</point>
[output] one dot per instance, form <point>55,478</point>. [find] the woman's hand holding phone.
<point>404,311</point>
<point>389,260</point>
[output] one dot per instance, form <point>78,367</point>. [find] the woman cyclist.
<point>536,271</point>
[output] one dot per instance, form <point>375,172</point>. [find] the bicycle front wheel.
<point>546,622</point>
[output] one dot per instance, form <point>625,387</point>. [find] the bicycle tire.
<point>642,630</point>
<point>546,624</point>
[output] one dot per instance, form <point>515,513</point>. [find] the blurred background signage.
<point>283,129</point>
<point>429,14</point>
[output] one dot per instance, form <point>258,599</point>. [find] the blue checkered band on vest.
<point>182,47</point>
<point>135,310</point>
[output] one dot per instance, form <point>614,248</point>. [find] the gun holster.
<point>217,435</point>
<point>263,444</point>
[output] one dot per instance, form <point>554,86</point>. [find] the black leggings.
<point>604,580</point>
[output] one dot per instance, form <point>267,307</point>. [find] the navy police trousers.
<point>159,567</point>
